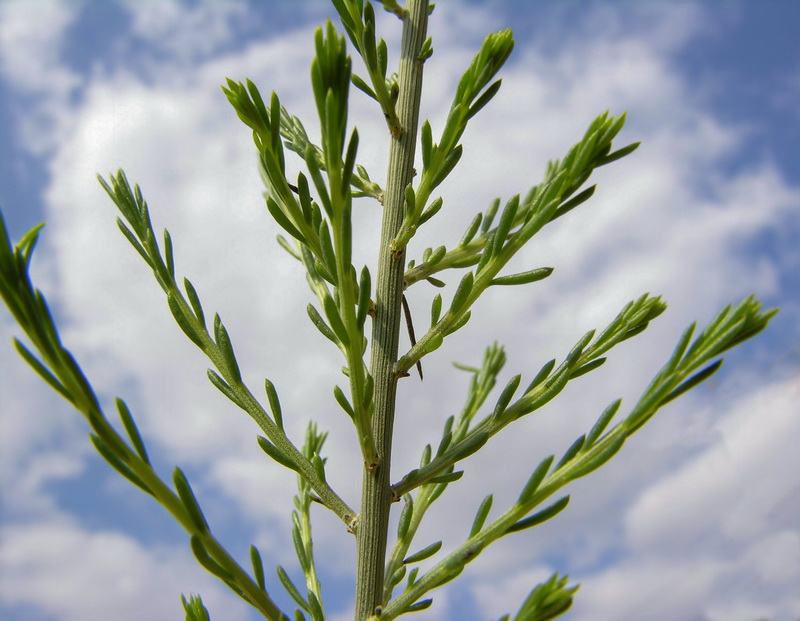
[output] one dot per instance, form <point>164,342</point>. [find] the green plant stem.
<point>248,589</point>
<point>371,532</point>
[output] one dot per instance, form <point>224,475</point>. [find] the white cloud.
<point>41,440</point>
<point>31,48</point>
<point>31,44</point>
<point>737,473</point>
<point>184,31</point>
<point>717,534</point>
<point>666,220</point>
<point>75,575</point>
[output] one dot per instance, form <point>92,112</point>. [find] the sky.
<point>695,520</point>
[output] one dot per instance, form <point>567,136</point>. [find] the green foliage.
<point>194,608</point>
<point>546,601</point>
<point>321,234</point>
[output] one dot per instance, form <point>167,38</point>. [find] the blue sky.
<point>695,520</point>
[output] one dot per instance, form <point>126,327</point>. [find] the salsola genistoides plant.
<point>359,309</point>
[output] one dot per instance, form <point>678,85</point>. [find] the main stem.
<point>373,522</point>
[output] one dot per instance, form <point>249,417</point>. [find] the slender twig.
<point>410,325</point>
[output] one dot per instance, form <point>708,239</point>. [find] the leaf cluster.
<point>322,230</point>
<point>128,456</point>
<point>489,248</point>
<point>690,363</point>
<point>215,343</point>
<point>439,159</point>
<point>358,20</point>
